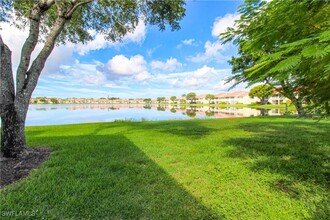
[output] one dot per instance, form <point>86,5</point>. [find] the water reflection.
<point>46,114</point>
<point>218,112</point>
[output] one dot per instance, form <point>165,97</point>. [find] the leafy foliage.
<point>284,43</point>
<point>209,97</point>
<point>191,96</point>
<point>263,92</point>
<point>160,99</point>
<point>112,18</point>
<point>173,98</point>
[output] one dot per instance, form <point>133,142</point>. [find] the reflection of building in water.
<point>246,112</point>
<point>191,111</point>
<point>230,112</point>
<point>103,107</point>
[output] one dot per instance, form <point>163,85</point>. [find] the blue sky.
<point>147,63</point>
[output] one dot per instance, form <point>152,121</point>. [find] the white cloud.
<point>201,77</point>
<point>189,82</point>
<point>97,78</point>
<point>224,85</point>
<point>152,50</point>
<point>170,64</point>
<point>121,65</point>
<point>221,24</point>
<point>188,41</point>
<point>117,71</point>
<point>142,76</point>
<point>213,49</point>
<point>138,35</point>
<point>205,78</point>
<point>99,41</point>
<point>205,72</point>
<point>15,38</point>
<point>84,74</point>
<point>211,53</point>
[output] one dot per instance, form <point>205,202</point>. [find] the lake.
<point>54,114</point>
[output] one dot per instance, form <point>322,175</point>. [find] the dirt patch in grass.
<point>14,169</point>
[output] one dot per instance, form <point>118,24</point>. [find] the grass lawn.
<point>246,168</point>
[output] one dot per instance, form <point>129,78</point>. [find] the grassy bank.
<point>247,168</point>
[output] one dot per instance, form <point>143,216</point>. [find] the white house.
<point>201,99</point>
<point>239,97</point>
<point>277,98</point>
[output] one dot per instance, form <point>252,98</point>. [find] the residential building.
<point>239,97</point>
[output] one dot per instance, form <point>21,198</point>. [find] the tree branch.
<point>39,63</point>
<point>33,73</point>
<point>31,41</point>
<point>70,12</point>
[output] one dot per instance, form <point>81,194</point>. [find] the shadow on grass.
<point>297,150</point>
<point>101,177</point>
<point>189,128</point>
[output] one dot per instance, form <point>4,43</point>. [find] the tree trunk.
<point>327,108</point>
<point>263,101</point>
<point>12,132</point>
<point>13,107</point>
<point>297,102</point>
<point>291,93</point>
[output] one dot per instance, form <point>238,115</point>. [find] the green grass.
<point>271,106</point>
<point>247,168</point>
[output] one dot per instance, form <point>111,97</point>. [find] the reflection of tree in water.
<point>183,107</point>
<point>192,108</point>
<point>263,111</point>
<point>160,108</point>
<point>113,108</point>
<point>147,106</point>
<point>173,110</point>
<point>191,113</point>
<point>209,113</point>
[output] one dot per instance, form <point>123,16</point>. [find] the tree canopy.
<point>161,99</point>
<point>262,92</point>
<point>284,43</point>
<point>209,97</point>
<point>173,98</point>
<point>112,18</point>
<point>191,96</point>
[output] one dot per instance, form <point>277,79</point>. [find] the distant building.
<point>277,98</point>
<point>200,99</point>
<point>239,97</point>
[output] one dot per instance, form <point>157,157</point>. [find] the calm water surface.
<point>47,114</point>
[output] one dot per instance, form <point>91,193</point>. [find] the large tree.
<point>284,43</point>
<point>173,98</point>
<point>60,21</point>
<point>262,92</point>
<point>160,99</point>
<point>209,97</point>
<point>191,96</point>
